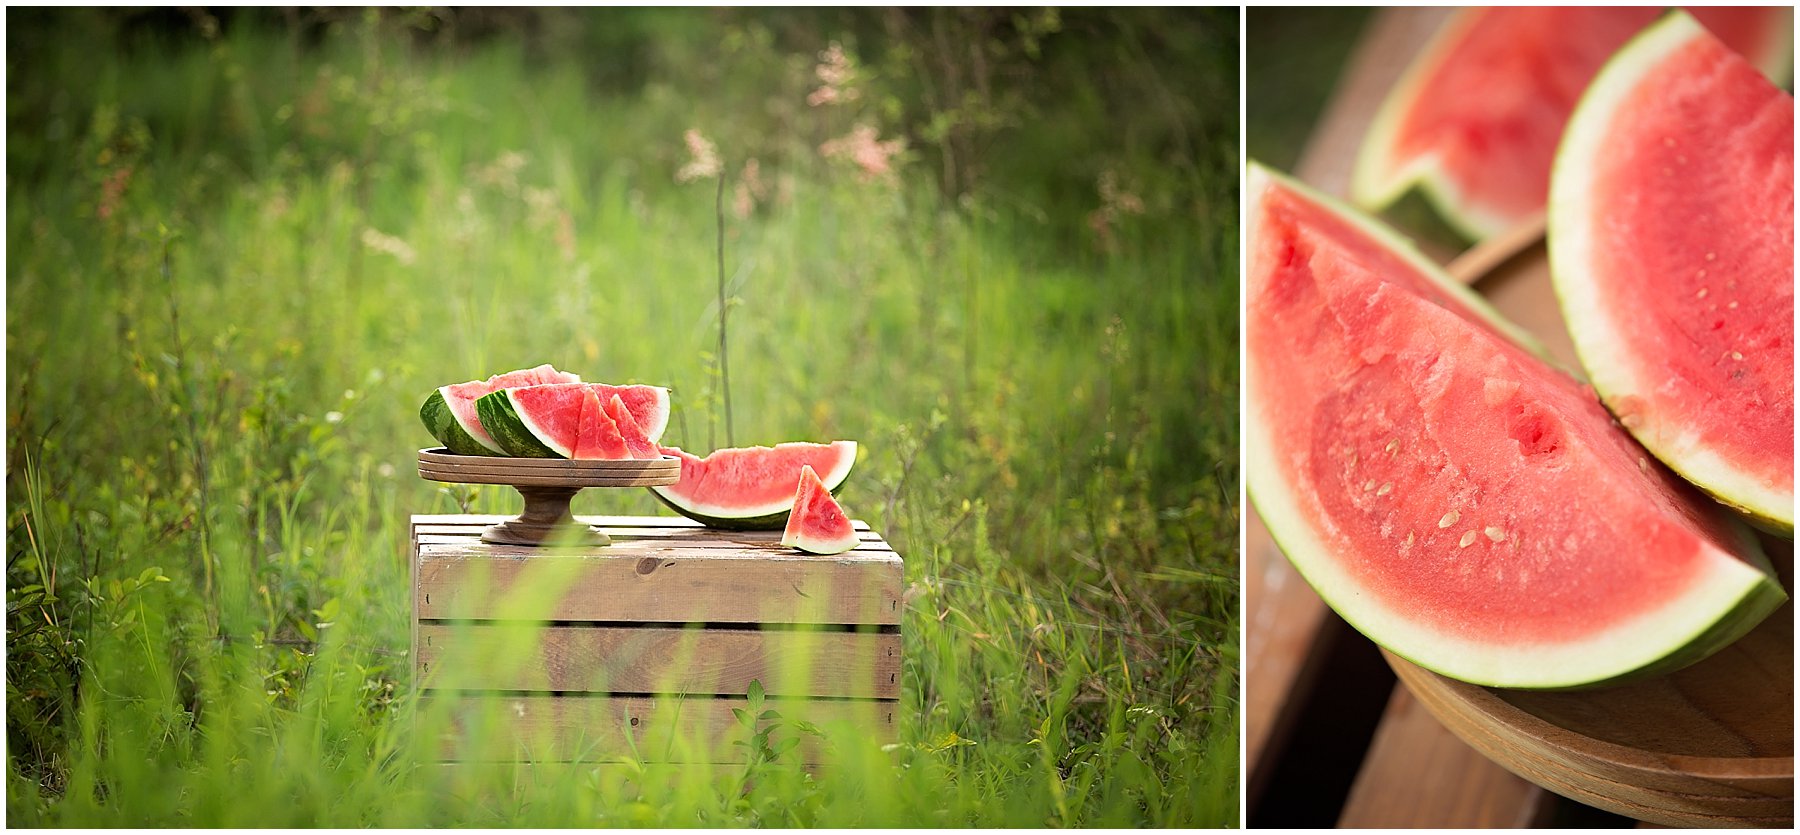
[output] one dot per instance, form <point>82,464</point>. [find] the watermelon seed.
<point>1495,534</point>
<point>1643,465</point>
<point>1409,538</point>
<point>1732,305</point>
<point>1352,458</point>
<point>1393,446</point>
<point>1368,485</point>
<point>1385,489</point>
<point>1702,293</point>
<point>1669,141</point>
<point>1736,356</point>
<point>1449,519</point>
<point>1467,540</point>
<point>1711,256</point>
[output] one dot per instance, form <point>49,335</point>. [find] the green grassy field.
<point>240,255</point>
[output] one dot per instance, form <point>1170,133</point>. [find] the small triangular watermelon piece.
<point>649,406</point>
<point>598,436</point>
<point>636,442</point>
<point>817,524</point>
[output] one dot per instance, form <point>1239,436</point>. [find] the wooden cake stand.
<point>548,485</point>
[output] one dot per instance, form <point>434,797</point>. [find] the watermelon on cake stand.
<point>549,437</point>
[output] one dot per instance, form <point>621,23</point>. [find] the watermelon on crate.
<point>817,524</point>
<point>1451,494</point>
<point>548,421</point>
<point>1672,251</point>
<point>450,410</point>
<point>1474,122</point>
<point>751,488</point>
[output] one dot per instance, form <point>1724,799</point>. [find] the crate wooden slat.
<point>656,659</point>
<point>1417,774</point>
<point>560,728</point>
<point>589,653</point>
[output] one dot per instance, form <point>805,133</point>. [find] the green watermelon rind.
<point>1597,342</point>
<point>726,519</point>
<point>449,431</point>
<point>512,430</point>
<point>1740,595</point>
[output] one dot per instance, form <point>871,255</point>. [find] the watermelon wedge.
<point>817,525</point>
<point>450,411</point>
<point>751,488</point>
<point>636,442</point>
<point>1474,122</point>
<point>1453,496</point>
<point>1672,251</point>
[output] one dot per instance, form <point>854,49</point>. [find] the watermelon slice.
<point>1474,122</point>
<point>817,525</point>
<point>1672,250</point>
<point>546,421</point>
<point>632,435</point>
<point>1453,496</point>
<point>751,488</point>
<point>450,411</point>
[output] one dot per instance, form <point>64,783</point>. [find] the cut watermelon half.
<point>1672,251</point>
<point>1452,495</point>
<point>1474,122</point>
<point>450,411</point>
<point>817,524</point>
<point>751,488</point>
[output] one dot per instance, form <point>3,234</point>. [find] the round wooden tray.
<point>548,485</point>
<point>1711,745</point>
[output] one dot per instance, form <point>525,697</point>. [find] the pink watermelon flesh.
<point>598,436</point>
<point>553,413</point>
<point>1450,493</point>
<point>461,397</point>
<point>751,487</point>
<point>1479,116</point>
<point>817,525</point>
<point>1673,244</point>
<point>649,406</point>
<point>631,434</point>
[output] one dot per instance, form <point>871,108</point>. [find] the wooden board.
<point>655,571</point>
<point>543,728</point>
<point>1417,774</point>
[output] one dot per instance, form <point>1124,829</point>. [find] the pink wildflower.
<point>863,147</point>
<point>703,159</point>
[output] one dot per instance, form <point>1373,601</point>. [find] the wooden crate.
<point>644,648</point>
